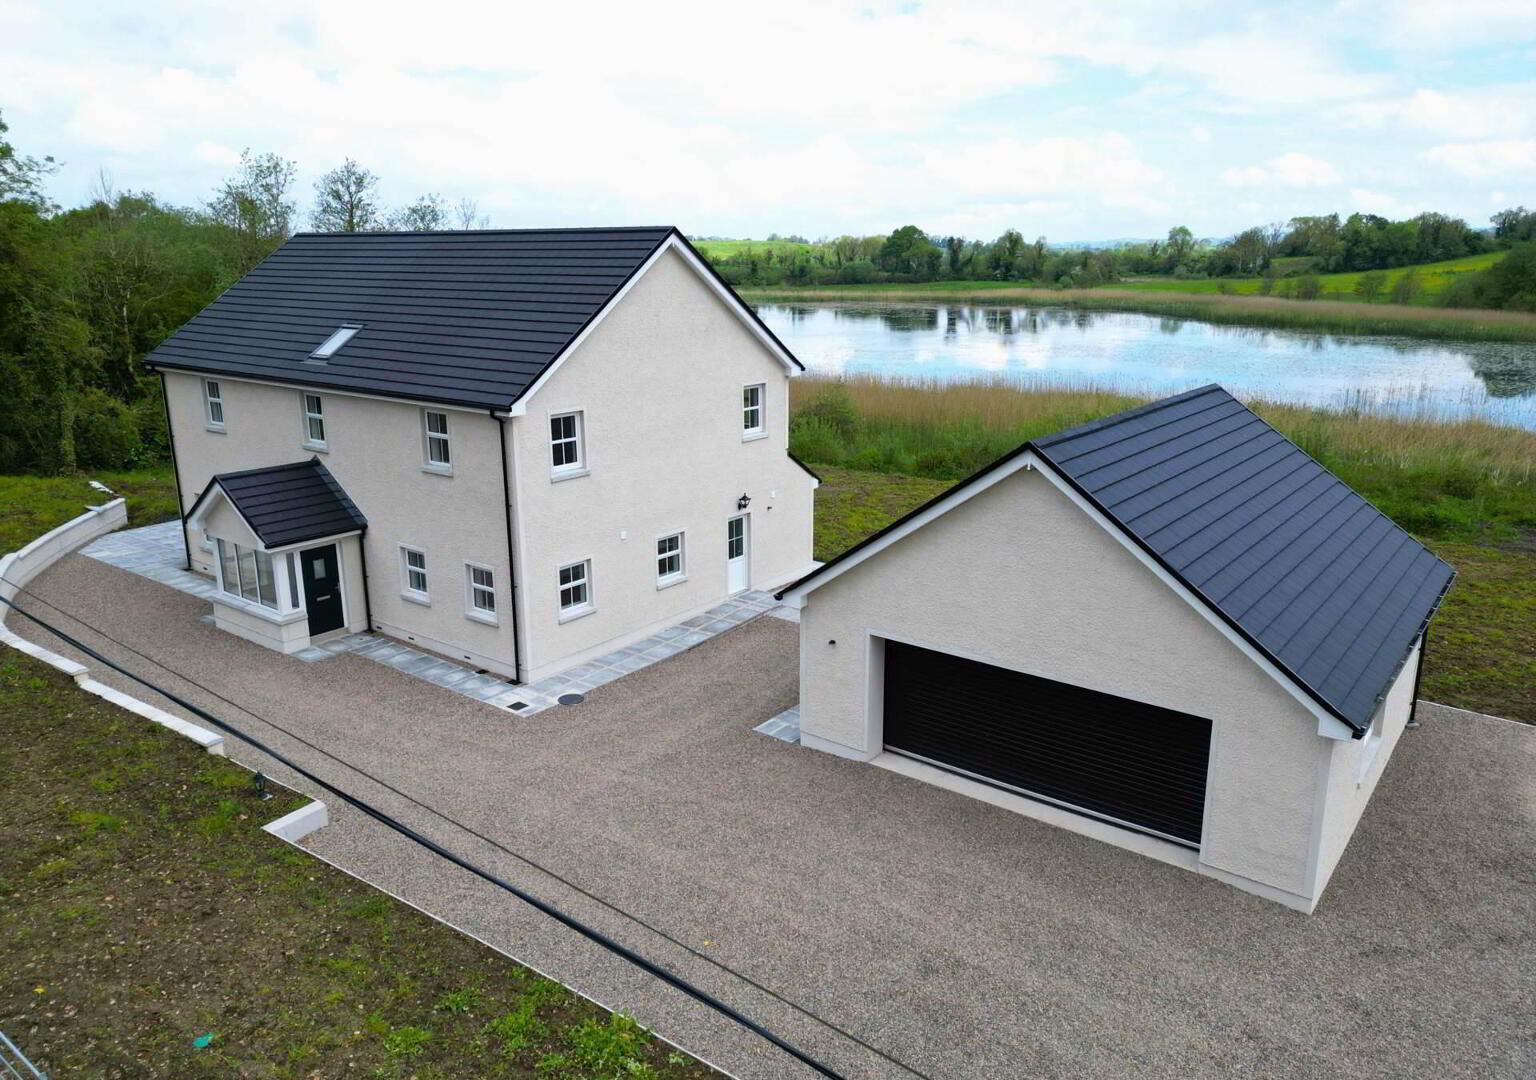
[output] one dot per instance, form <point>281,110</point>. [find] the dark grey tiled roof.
<point>464,318</point>
<point>289,504</point>
<point>1307,570</point>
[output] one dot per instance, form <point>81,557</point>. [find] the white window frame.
<point>229,554</point>
<point>473,591</point>
<point>409,591</point>
<point>311,417</point>
<point>339,337</point>
<point>760,429</point>
<point>578,440</point>
<point>213,405</point>
<point>586,606</point>
<point>666,579</point>
<point>430,438</point>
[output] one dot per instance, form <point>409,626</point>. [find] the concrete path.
<point>961,939</point>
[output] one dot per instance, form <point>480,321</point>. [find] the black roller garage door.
<point>1133,764</point>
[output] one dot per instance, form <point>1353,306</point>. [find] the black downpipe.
<point>170,434</point>
<point>506,498</point>
<point>362,562</point>
<point>1418,677</point>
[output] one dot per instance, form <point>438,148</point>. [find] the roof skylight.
<point>335,341</point>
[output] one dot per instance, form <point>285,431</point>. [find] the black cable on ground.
<point>677,982</point>
<point>535,864</point>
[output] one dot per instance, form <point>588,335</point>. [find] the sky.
<point>1073,120</point>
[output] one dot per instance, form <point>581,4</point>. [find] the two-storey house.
<point>519,449</point>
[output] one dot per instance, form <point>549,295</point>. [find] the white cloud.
<point>1484,160</point>
<point>1436,26</point>
<point>1200,133</point>
<point>1484,112</point>
<point>1288,170</point>
<point>1382,204</point>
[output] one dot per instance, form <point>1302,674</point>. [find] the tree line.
<point>1300,249</point>
<point>87,292</point>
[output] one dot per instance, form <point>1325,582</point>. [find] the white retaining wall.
<point>20,567</point>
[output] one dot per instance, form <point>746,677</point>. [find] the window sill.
<point>482,617</point>
<point>317,447</point>
<point>668,582</point>
<point>261,611</point>
<point>438,470</point>
<point>417,598</point>
<point>577,613</point>
<point>217,429</point>
<point>753,436</point>
<point>569,474</point>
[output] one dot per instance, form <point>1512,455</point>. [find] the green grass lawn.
<point>1482,653</point>
<point>146,913</point>
<point>31,505</point>
<point>1433,278</point>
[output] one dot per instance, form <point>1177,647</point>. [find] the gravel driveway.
<point>963,940</point>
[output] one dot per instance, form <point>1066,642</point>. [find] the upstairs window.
<point>435,433</point>
<point>213,404</point>
<point>669,559</point>
<point>752,413</point>
<point>565,449</point>
<point>329,346</point>
<point>314,422</point>
<point>413,574</point>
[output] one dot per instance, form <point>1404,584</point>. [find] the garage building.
<point>1170,629</point>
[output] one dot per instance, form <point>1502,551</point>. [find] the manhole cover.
<point>518,705</point>
<point>571,699</point>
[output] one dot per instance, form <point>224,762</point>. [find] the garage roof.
<point>463,318</point>
<point>1305,569</point>
<point>288,504</point>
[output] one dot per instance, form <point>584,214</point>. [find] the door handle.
<point>320,598</point>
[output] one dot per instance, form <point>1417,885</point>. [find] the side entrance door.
<point>321,571</point>
<point>738,557</point>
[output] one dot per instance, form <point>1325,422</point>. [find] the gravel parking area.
<point>960,939</point>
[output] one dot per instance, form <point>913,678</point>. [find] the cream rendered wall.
<point>375,451</point>
<point>659,384</point>
<point>1353,767</point>
<point>1020,577</point>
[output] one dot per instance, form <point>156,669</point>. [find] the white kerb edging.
<point>20,567</point>
<point>299,824</point>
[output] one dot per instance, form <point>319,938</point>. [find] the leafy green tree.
<point>1407,288</point>
<point>254,206</point>
<point>346,200</point>
<point>1309,287</point>
<point>907,251</point>
<point>428,213</point>
<point>1370,284</point>
<point>22,177</point>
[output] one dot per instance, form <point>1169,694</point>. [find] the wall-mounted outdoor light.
<point>741,503</point>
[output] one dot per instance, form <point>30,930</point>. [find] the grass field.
<point>1433,278</point>
<point>721,249</point>
<point>152,929</point>
<point>31,505</point>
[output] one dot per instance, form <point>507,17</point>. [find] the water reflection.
<point>1152,354</point>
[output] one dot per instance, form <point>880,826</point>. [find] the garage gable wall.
<point>1020,577</point>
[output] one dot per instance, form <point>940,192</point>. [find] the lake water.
<point>1153,355</point>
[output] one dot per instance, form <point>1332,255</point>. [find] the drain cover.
<point>518,705</point>
<point>571,699</point>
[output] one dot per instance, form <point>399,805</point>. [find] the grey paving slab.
<point>784,727</point>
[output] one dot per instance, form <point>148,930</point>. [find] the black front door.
<point>322,588</point>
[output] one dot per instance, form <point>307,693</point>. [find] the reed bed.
<point>1451,479</point>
